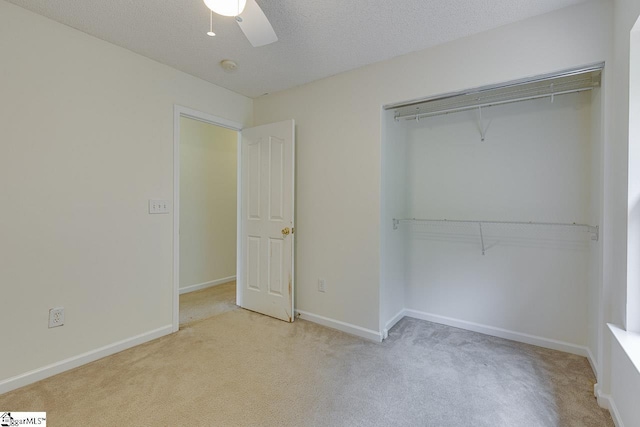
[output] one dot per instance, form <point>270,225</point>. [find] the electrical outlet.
<point>56,317</point>
<point>322,285</point>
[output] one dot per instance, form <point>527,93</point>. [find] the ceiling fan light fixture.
<point>226,7</point>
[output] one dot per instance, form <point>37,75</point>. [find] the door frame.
<point>178,112</point>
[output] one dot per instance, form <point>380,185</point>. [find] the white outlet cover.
<point>158,206</point>
<point>56,317</point>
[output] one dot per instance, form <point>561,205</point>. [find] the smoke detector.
<point>228,65</point>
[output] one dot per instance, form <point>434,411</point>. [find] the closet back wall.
<point>535,165</point>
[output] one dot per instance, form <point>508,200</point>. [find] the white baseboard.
<point>391,323</point>
<point>593,363</point>
<point>79,360</point>
<point>200,286</point>
<point>606,401</point>
<point>613,410</point>
<point>500,333</point>
<point>341,326</point>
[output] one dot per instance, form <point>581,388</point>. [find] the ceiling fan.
<point>251,19</point>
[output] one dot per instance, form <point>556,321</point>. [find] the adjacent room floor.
<point>207,302</point>
<point>239,368</point>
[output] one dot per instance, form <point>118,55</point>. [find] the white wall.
<point>534,165</point>
<point>208,183</point>
<point>393,203</point>
<point>87,138</point>
<point>633,204</point>
<point>621,379</point>
<point>338,125</point>
<point>595,325</point>
<point>625,378</point>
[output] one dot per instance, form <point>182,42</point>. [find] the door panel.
<point>276,254</point>
<point>276,179</point>
<point>253,263</point>
<point>253,180</point>
<point>265,272</point>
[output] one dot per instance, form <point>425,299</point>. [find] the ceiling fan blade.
<point>255,25</point>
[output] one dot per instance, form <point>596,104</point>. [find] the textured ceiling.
<point>317,38</point>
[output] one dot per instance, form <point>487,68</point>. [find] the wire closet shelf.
<point>593,230</point>
<point>545,86</point>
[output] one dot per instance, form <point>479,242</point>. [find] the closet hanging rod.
<point>592,68</point>
<point>488,104</point>
<point>593,229</point>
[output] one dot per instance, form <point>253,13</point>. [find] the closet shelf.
<point>545,86</point>
<point>594,230</point>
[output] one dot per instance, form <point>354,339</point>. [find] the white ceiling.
<point>317,38</point>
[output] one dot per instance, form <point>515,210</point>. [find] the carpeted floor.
<point>207,302</point>
<point>239,368</point>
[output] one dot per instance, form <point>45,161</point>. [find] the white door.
<point>265,269</point>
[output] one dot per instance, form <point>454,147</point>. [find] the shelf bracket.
<point>396,223</point>
<point>481,238</point>
<point>483,129</point>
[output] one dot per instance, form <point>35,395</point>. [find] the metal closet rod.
<point>599,66</point>
<point>488,104</point>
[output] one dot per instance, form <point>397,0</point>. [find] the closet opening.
<point>490,211</point>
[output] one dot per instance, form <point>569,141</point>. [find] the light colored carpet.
<point>207,302</point>
<point>243,369</point>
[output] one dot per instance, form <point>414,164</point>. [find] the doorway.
<point>205,215</point>
<point>265,177</point>
<point>208,219</point>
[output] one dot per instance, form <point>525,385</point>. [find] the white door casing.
<point>180,111</point>
<point>265,253</point>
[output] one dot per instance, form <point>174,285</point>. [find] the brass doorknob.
<point>285,231</point>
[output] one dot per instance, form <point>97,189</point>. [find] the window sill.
<point>630,343</point>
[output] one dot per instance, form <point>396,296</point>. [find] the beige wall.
<point>86,139</point>
<point>208,177</point>
<point>338,130</point>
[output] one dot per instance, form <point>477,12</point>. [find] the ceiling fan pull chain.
<point>211,33</point>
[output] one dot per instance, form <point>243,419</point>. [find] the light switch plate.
<point>159,206</point>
